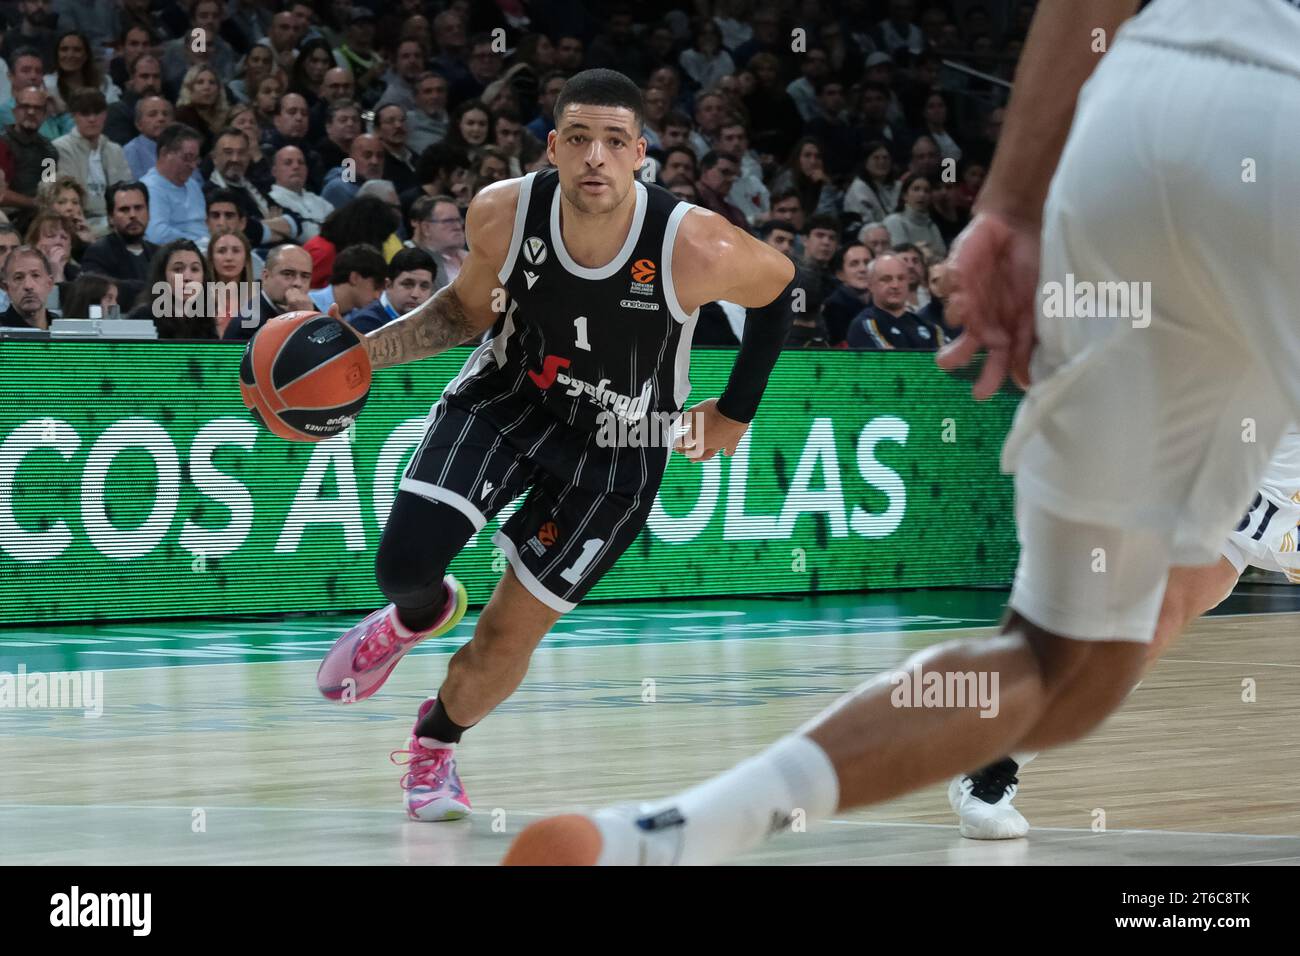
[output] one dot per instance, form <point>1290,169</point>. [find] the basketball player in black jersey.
<point>590,281</point>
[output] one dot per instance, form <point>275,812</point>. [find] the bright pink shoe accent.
<point>433,788</point>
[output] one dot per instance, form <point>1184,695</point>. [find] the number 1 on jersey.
<point>581,324</point>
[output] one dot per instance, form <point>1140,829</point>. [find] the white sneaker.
<point>983,802</point>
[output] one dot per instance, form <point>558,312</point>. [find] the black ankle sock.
<point>421,618</point>
<point>439,726</point>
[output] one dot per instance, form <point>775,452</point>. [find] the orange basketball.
<point>305,376</point>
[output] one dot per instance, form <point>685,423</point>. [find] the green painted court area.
<point>109,646</point>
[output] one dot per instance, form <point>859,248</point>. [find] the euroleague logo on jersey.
<point>643,276</point>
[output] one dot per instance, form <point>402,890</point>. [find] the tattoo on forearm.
<point>439,324</point>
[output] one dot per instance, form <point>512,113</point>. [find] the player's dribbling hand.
<point>708,431</point>
<point>992,276</point>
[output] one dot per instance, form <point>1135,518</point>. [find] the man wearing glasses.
<point>438,229</point>
<point>27,149</point>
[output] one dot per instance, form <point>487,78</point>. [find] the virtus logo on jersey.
<point>534,251</point>
<point>623,406</point>
<point>643,277</point>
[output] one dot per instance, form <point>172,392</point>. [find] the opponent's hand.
<point>992,277</point>
<point>708,431</point>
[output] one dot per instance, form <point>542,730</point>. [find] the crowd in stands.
<point>325,153</point>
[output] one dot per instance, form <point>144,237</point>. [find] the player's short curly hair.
<point>602,88</point>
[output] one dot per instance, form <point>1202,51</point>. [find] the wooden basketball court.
<point>214,747</point>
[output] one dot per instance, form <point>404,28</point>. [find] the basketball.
<point>305,376</point>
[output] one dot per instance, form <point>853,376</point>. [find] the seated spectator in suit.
<point>887,323</point>
<point>29,281</point>
<point>90,290</point>
<point>177,209</point>
<point>285,282</point>
<point>851,295</point>
<point>124,253</point>
<point>90,157</point>
<point>410,284</point>
<point>265,224</point>
<point>356,281</point>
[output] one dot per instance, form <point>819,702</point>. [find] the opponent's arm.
<point>463,309</point>
<point>1058,57</point>
<point>729,264</point>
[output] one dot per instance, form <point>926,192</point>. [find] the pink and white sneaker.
<point>433,788</point>
<point>361,660</point>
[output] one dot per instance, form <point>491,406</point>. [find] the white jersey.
<point>1260,31</point>
<point>1267,536</point>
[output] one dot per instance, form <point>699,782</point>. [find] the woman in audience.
<point>874,192</point>
<point>90,289</point>
<point>934,122</point>
<point>267,99</point>
<point>367,219</point>
<point>911,222</point>
<point>230,259</point>
<point>257,64</point>
<point>470,126</point>
<point>52,234</point>
<point>315,59</point>
<point>66,197</point>
<point>174,296</point>
<point>202,104</point>
<point>75,68</point>
<point>806,174</point>
<point>706,62</point>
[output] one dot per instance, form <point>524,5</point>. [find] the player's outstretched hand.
<point>708,431</point>
<point>992,277</point>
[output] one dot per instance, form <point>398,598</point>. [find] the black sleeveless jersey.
<point>583,343</point>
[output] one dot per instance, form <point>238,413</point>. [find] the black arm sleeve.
<point>766,329</point>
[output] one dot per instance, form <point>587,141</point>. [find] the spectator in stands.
<point>202,104</point>
<point>484,66</point>
<point>247,23</point>
<point>307,76</point>
<point>91,289</point>
<point>844,57</point>
<point>617,47</point>
<point>285,282</point>
<point>358,55</point>
<point>290,129</point>
<point>814,66</point>
<point>875,190</point>
<point>780,234</point>
<point>718,172</point>
<point>678,163</point>
<point>787,208</point>
<point>887,323</point>
<point>748,193</point>
<point>427,123</point>
<point>265,223</point>
<point>123,253</point>
<point>356,281</point>
<point>342,126</point>
<point>677,133</point>
<point>177,209</point>
<point>29,280</point>
<point>35,30</point>
<point>174,295</point>
<point>840,142</point>
<point>76,68</point>
<point>266,100</point>
<point>912,221</point>
<point>10,239</point>
<point>684,188</point>
<point>806,174</point>
<point>153,114</point>
<point>244,119</point>
<point>399,161</point>
<point>52,234</point>
<point>91,158</point>
<point>401,77</point>
<point>290,193</point>
<point>656,111</point>
<point>135,41</point>
<point>449,45</point>
<point>438,229</point>
<point>508,137</point>
<point>283,39</point>
<point>29,151</point>
<point>200,45</point>
<point>705,62</point>
<point>570,53</point>
<point>443,170</point>
<point>471,125</point>
<point>410,284</point>
<point>898,35</point>
<point>26,69</point>
<point>146,80</point>
<point>981,150</point>
<point>821,238</point>
<point>493,166</point>
<point>66,197</point>
<point>875,237</point>
<point>776,122</point>
<point>925,157</point>
<point>230,259</point>
<point>934,124</point>
<point>852,295</point>
<point>366,220</point>
<point>258,63</point>
<point>948,214</point>
<point>765,36</point>
<point>918,280</point>
<point>933,311</point>
<point>710,111</point>
<point>343,182</point>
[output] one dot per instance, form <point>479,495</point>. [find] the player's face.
<point>410,289</point>
<point>597,150</point>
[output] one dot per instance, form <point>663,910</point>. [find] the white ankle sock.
<point>735,811</point>
<point>1023,758</point>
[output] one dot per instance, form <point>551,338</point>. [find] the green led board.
<point>133,483</point>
